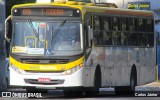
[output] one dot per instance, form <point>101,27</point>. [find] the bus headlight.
<point>18,70</point>
<point>73,70</point>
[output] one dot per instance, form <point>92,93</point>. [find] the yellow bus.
<point>82,47</point>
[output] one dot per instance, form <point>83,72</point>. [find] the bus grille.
<point>49,72</point>
<point>52,82</point>
<point>44,61</point>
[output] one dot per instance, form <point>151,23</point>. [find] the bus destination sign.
<point>65,12</point>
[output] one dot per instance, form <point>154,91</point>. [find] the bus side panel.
<point>117,63</point>
<point>116,71</point>
<point>110,63</point>
<point>142,60</point>
<point>126,76</point>
<point>146,70</point>
<point>121,67</point>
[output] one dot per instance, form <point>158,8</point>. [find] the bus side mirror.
<point>8,29</point>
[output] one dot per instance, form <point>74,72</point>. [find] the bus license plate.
<point>44,80</point>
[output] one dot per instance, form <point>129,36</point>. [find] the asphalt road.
<point>105,94</point>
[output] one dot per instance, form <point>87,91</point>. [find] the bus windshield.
<point>46,38</point>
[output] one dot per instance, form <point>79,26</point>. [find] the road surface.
<point>105,94</point>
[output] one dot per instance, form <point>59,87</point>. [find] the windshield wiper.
<point>33,28</point>
<point>54,33</point>
<point>58,25</point>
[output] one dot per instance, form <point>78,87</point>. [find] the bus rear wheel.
<point>133,82</point>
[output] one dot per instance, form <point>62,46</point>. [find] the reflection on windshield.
<point>53,39</point>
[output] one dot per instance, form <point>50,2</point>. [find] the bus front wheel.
<point>92,91</point>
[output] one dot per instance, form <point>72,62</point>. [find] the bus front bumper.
<point>56,81</point>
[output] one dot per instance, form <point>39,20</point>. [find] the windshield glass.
<point>47,38</point>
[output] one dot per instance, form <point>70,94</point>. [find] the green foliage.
<point>11,3</point>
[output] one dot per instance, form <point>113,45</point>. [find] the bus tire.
<point>97,83</point>
<point>133,81</point>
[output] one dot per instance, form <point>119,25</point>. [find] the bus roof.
<point>92,8</point>
<point>118,11</point>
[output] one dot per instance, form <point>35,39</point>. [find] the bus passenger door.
<point>88,31</point>
<point>88,34</point>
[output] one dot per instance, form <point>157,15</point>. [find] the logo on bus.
<point>48,68</point>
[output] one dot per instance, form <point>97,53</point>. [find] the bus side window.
<point>124,25</point>
<point>149,25</point>
<point>116,37</point>
<point>141,26</point>
<point>106,23</point>
<point>98,37</point>
<point>142,39</point>
<point>142,32</point>
<point>132,34</point>
<point>115,24</point>
<point>124,38</point>
<point>131,23</point>
<point>107,36</point>
<point>134,39</point>
<point>124,32</point>
<point>150,39</point>
<point>150,30</point>
<point>98,33</point>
